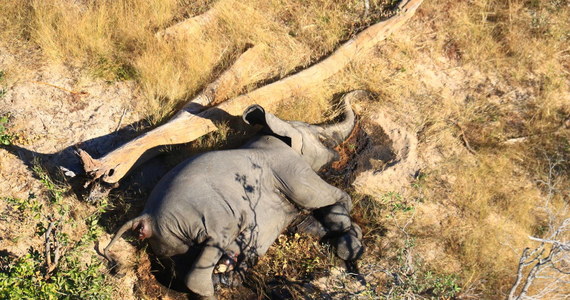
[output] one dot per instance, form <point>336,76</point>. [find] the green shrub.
<point>25,278</point>
<point>5,137</point>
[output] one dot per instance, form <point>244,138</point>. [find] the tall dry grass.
<point>116,39</point>
<point>492,76</point>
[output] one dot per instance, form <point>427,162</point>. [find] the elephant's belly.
<point>270,220</point>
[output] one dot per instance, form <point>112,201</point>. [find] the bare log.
<point>249,68</point>
<point>189,124</point>
<point>190,27</point>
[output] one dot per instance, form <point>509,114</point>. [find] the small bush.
<point>27,208</point>
<point>5,136</point>
<point>61,265</point>
<point>25,278</point>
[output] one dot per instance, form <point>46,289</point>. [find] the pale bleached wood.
<point>191,27</point>
<point>185,126</point>
<point>251,67</point>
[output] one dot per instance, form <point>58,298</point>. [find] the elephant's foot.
<point>348,245</point>
<point>309,225</point>
<point>229,279</point>
<point>200,282</point>
<point>335,218</point>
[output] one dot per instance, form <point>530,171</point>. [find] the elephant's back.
<point>217,182</point>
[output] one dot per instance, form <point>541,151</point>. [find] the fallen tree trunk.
<point>190,124</point>
<point>248,69</point>
<point>190,27</point>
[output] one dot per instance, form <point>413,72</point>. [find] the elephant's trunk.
<point>130,225</point>
<point>338,132</point>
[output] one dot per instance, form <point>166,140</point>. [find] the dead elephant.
<point>235,203</point>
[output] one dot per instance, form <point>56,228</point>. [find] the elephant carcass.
<point>237,202</point>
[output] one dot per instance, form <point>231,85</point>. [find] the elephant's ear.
<point>255,114</point>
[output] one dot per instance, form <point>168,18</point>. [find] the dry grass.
<point>480,72</point>
<point>116,39</point>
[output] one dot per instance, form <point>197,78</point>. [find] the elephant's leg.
<point>332,209</point>
<point>199,278</point>
<point>345,238</point>
<point>306,189</point>
<point>233,264</point>
<point>335,218</point>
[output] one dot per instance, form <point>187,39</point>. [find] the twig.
<point>535,269</point>
<point>515,140</point>
<point>524,256</point>
<point>541,264</point>
<point>48,244</point>
<point>564,125</point>
<point>121,120</point>
<point>52,243</point>
<point>464,139</point>
<point>559,251</point>
<point>74,94</point>
<point>545,240</point>
<point>366,8</point>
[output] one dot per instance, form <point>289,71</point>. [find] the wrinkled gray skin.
<point>239,201</point>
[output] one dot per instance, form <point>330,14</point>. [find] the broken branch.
<point>464,138</point>
<point>52,244</point>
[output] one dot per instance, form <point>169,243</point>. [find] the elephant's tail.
<point>339,132</point>
<point>143,220</point>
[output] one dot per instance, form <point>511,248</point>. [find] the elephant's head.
<point>313,142</point>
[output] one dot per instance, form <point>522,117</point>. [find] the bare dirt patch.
<point>53,108</point>
<point>390,161</point>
